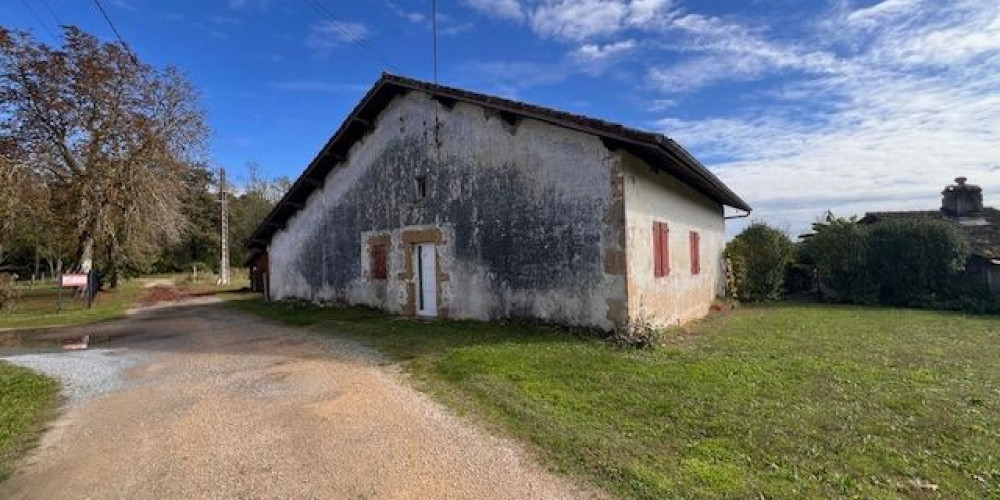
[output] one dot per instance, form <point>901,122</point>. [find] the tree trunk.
<point>85,253</point>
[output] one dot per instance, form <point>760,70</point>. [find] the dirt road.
<point>198,401</point>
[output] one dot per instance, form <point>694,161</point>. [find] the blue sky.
<point>800,106</point>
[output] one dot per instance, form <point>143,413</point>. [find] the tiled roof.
<point>659,151</point>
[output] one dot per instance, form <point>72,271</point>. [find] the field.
<point>26,401</point>
<point>784,401</point>
<point>40,305</point>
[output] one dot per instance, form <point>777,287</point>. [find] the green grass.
<point>786,401</point>
<point>27,400</point>
<point>39,306</point>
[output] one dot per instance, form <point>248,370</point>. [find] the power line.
<point>352,36</point>
<point>38,19</point>
<point>434,35</point>
<point>48,7</point>
<point>117,33</point>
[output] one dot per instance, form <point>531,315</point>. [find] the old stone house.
<point>962,205</point>
<point>435,201</point>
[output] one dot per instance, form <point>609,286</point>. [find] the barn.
<point>439,202</point>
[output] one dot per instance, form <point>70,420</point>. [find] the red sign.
<point>73,280</point>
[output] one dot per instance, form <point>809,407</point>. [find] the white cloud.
<point>575,20</point>
<point>884,126</point>
<point>503,9</point>
<point>593,51</point>
<point>579,20</point>
<point>325,36</point>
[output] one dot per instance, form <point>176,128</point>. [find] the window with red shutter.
<point>664,249</point>
<point>695,253</point>
<point>379,269</point>
<point>657,254</point>
<point>661,249</point>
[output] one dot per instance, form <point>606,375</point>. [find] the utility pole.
<point>224,231</point>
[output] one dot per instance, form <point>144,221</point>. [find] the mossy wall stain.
<point>527,206</point>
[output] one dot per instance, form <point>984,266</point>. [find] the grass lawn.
<point>26,401</point>
<point>38,306</point>
<point>785,401</point>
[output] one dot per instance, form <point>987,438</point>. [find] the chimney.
<point>961,199</point>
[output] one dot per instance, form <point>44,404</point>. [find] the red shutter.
<point>657,250</point>
<point>379,268</point>
<point>665,250</point>
<point>695,253</point>
<point>661,249</point>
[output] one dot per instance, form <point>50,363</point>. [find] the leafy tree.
<point>112,139</point>
<point>914,262</point>
<point>759,256</point>
<point>837,248</point>
<point>250,208</point>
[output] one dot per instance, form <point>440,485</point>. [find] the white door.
<point>426,280</point>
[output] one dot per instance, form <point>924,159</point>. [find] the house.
<point>436,201</point>
<point>962,205</point>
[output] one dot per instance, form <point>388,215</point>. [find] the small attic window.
<point>421,186</point>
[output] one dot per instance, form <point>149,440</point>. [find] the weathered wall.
<point>518,213</point>
<point>679,296</point>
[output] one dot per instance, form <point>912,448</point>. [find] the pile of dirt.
<point>163,293</point>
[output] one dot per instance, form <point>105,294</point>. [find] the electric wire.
<point>434,36</point>
<point>115,30</point>
<point>39,20</point>
<point>52,13</point>
<point>352,36</point>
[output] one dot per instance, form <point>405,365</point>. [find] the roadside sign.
<point>73,280</point>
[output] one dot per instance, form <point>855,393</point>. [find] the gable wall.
<point>680,296</point>
<point>528,219</point>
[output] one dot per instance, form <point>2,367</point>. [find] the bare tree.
<point>111,137</point>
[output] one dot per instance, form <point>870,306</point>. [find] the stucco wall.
<point>518,212</point>
<point>679,296</point>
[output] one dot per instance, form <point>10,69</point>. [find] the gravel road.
<point>197,401</point>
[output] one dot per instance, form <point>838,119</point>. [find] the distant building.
<point>435,201</point>
<point>962,205</point>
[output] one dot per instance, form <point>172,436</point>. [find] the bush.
<point>915,263</point>
<point>8,290</point>
<point>838,250</point>
<point>759,257</point>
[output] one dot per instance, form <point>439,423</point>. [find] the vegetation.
<point>759,256</point>
<point>783,401</point>
<point>106,140</point>
<point>914,263</point>
<point>102,163</point>
<point>27,400</point>
<point>39,306</point>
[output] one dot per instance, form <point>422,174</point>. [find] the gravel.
<point>197,401</point>
<point>84,374</point>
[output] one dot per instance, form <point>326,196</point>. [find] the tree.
<point>759,256</point>
<point>837,249</point>
<point>249,209</point>
<point>111,138</point>
<point>914,262</point>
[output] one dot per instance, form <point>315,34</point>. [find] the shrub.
<point>914,261</point>
<point>8,290</point>
<point>838,250</point>
<point>637,334</point>
<point>759,257</point>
